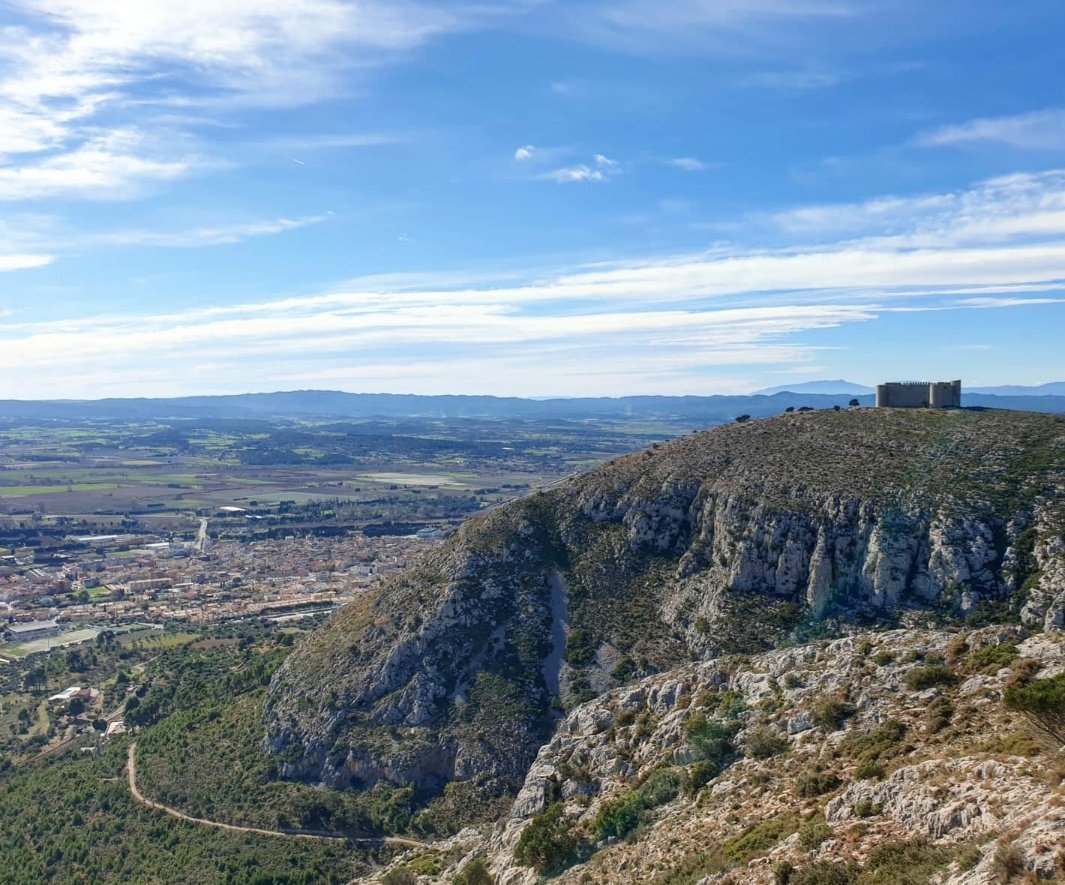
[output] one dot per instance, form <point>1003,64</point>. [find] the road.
<point>201,536</point>
<point>131,771</point>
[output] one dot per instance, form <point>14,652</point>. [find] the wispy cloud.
<point>525,153</point>
<point>1039,130</point>
<point>202,236</point>
<point>85,84</point>
<point>109,166</point>
<point>669,322</point>
<point>23,262</point>
<point>689,164</point>
<point>728,27</point>
<point>600,169</point>
<point>1029,205</point>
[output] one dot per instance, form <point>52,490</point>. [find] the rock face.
<point>942,775</point>
<point>722,541</point>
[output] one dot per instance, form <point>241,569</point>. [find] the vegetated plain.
<point>95,474</point>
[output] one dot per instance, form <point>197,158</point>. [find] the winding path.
<point>131,771</point>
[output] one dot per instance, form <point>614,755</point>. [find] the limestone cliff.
<point>455,673</point>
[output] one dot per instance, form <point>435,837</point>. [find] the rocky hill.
<point>884,758</point>
<point>451,677</point>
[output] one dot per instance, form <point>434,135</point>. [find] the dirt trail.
<point>131,770</point>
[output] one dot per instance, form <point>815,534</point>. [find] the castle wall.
<point>919,395</point>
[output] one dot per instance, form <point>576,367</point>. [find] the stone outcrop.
<point>955,786</point>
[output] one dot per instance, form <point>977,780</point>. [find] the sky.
<point>528,197</point>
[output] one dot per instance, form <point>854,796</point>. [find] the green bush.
<point>474,873</point>
<point>939,715</point>
<point>400,876</point>
<point>1042,701</point>
<point>619,817</point>
<point>869,769</point>
<point>548,844</point>
<point>991,658</point>
<point>929,675</point>
<point>905,863</point>
<point>816,785</point>
<point>825,873</point>
<point>712,739</point>
<point>867,808</point>
<point>760,838</point>
<point>764,742</point>
<point>813,832</point>
<point>831,713</point>
<point>882,742</point>
<point>693,868</point>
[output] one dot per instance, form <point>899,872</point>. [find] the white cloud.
<point>1028,205</point>
<point>23,262</point>
<point>110,166</point>
<point>202,236</point>
<point>600,169</point>
<point>524,153</point>
<point>689,164</point>
<point>1039,130</point>
<point>76,74</point>
<point>699,26</point>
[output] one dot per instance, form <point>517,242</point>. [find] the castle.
<point>919,395</point>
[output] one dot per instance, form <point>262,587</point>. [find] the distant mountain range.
<point>701,410</point>
<point>827,387</point>
<point>839,386</point>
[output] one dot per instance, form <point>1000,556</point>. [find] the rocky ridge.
<point>868,766</point>
<point>728,540</point>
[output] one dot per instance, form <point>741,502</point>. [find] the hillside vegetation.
<point>451,677</point>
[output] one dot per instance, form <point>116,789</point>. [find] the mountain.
<point>1054,388</point>
<point>698,410</point>
<point>838,387</point>
<point>451,677</point>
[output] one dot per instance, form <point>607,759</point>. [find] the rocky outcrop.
<point>960,781</point>
<point>722,541</point>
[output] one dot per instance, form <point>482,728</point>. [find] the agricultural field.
<point>161,476</point>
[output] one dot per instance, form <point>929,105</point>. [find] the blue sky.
<point>528,197</point>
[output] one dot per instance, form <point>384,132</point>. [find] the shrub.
<point>826,873</point>
<point>831,713</point>
<point>699,775</point>
<point>619,817</point>
<point>400,876</point>
<point>548,843</point>
<point>792,680</point>
<point>712,739</point>
<point>1042,701</point>
<point>760,838</point>
<point>764,742</point>
<point>883,658</point>
<point>693,868</point>
<point>731,705</point>
<point>929,675</point>
<point>867,808</point>
<point>905,863</point>
<point>813,832</point>
<point>816,785</point>
<point>940,713</point>
<point>869,769</point>
<point>474,873</point>
<point>991,658</point>
<point>880,742</point>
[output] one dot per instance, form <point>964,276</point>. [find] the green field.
<point>74,637</point>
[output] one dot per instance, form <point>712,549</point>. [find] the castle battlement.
<point>919,395</point>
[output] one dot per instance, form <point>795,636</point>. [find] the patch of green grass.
<point>760,838</point>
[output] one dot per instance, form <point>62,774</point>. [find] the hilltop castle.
<point>919,395</point>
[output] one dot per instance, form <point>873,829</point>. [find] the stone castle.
<point>919,395</point>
